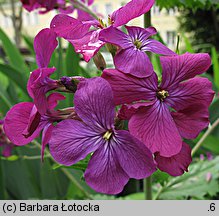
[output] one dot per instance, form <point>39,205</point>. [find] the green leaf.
<point>15,76</point>
<point>5,103</point>
<point>215,63</point>
<point>188,44</point>
<point>195,183</point>
<point>29,43</point>
<point>15,58</point>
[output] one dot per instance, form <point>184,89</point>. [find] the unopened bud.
<point>111,48</point>
<point>99,61</point>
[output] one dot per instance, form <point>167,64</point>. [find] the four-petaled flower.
<point>116,154</point>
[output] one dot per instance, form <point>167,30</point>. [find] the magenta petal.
<point>115,36</point>
<point>38,85</point>
<point>72,141</point>
<point>134,157</point>
<point>155,127</point>
<point>94,104</point>
<point>133,61</point>
<point>68,27</point>
<point>191,120</point>
<point>16,122</point>
<point>46,135</point>
<point>104,173</point>
<point>84,16</point>
<point>194,91</point>
<point>7,149</point>
<point>178,68</point>
<point>53,99</point>
<point>44,44</point>
<point>177,164</point>
<point>131,10</point>
<point>141,34</point>
<point>127,88</point>
<point>88,45</point>
<point>154,46</point>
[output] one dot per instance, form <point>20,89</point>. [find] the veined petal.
<point>191,120</point>
<point>178,68</point>
<point>131,10</point>
<point>104,173</point>
<point>115,36</point>
<point>44,45</point>
<point>16,121</point>
<point>155,127</point>
<point>134,157</point>
<point>72,141</point>
<point>194,91</point>
<point>127,88</point>
<point>141,34</point>
<point>69,27</point>
<point>154,46</point>
<point>53,100</point>
<point>94,104</point>
<point>177,164</point>
<point>133,61</point>
<point>88,45</point>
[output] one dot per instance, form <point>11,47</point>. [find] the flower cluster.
<point>160,114</point>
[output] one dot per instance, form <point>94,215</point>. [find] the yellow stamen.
<point>107,135</point>
<point>138,44</point>
<point>162,94</point>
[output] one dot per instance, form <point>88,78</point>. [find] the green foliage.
<point>215,63</point>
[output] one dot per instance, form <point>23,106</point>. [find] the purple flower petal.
<point>72,141</point>
<point>131,10</point>
<point>104,173</point>
<point>179,68</point>
<point>46,135</point>
<point>16,122</point>
<point>115,36</point>
<point>69,27</point>
<point>94,104</point>
<point>127,88</point>
<point>133,61</point>
<point>53,99</point>
<point>154,46</point>
<point>84,16</point>
<point>177,164</point>
<point>155,127</point>
<point>194,91</point>
<point>44,44</point>
<point>88,45</point>
<point>141,34</point>
<point>134,157</point>
<point>38,85</point>
<point>7,149</point>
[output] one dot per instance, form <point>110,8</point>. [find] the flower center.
<point>162,94</point>
<point>107,135</point>
<point>138,43</point>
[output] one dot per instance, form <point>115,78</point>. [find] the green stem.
<point>147,19</point>
<point>148,188</point>
<point>200,142</point>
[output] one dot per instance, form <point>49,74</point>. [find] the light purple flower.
<point>23,122</point>
<point>178,106</point>
<point>131,57</point>
<point>116,155</point>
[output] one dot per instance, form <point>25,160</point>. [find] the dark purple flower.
<point>5,143</point>
<point>131,57</point>
<point>23,122</point>
<point>178,106</point>
<point>116,155</point>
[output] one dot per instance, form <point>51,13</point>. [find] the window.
<point>109,8</point>
<point>171,35</point>
<point>155,10</point>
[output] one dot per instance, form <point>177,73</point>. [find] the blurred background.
<point>191,25</point>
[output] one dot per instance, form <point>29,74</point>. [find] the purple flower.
<point>116,155</point>
<point>23,122</point>
<point>178,106</point>
<point>5,143</point>
<point>38,85</point>
<point>89,44</point>
<point>131,57</point>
